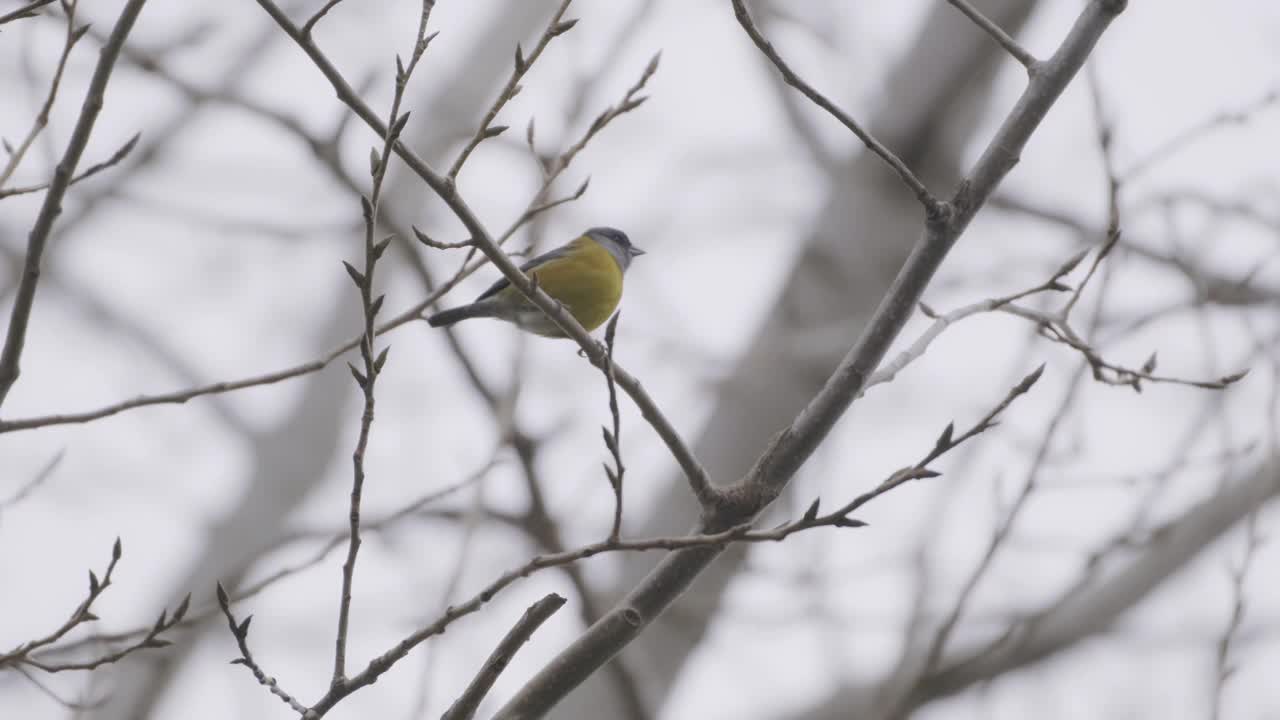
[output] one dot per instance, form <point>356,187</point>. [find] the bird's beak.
<point>635,251</point>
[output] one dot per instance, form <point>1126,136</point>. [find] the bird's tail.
<point>458,314</point>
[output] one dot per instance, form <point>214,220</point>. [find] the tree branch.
<point>917,186</point>
<point>790,448</point>
<point>465,707</point>
<point>63,173</point>
<point>1002,38</point>
<point>699,480</point>
<point>29,10</point>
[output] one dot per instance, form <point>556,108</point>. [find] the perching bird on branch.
<point>584,275</point>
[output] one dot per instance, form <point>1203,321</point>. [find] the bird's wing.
<point>503,283</point>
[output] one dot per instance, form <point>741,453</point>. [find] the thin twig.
<point>26,11</point>
<point>1057,327</point>
<point>414,312</point>
<point>1223,667</point>
<point>465,707</point>
<point>1105,371</point>
<point>946,442</point>
<point>931,204</point>
<point>1105,132</point>
<point>554,167</point>
<point>72,36</point>
<point>310,24</point>
<point>943,634</point>
<point>81,614</point>
<point>890,369</point>
<point>36,481</point>
<point>486,129</point>
<point>417,508</point>
<point>613,439</point>
<point>31,652</point>
<point>1001,37</point>
<point>370,305</point>
<point>116,158</point>
<point>24,300</point>
<point>438,245</point>
<point>240,631</point>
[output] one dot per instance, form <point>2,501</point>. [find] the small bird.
<point>585,275</point>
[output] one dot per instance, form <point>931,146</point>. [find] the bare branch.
<point>417,508</point>
<point>466,705</point>
<point>1222,657</point>
<point>373,363</point>
<point>1002,38</point>
<point>72,36</point>
<point>931,204</point>
<point>82,614</point>
<point>426,240</point>
<point>695,473</point>
<point>943,634</point>
<point>26,11</point>
<point>890,369</point>
<point>414,312</point>
<point>36,481</point>
<point>52,206</point>
<point>485,129</point>
<point>240,631</point>
<point>613,440</point>
<point>310,24</point>
<point>116,158</point>
<point>793,446</point>
<point>31,653</point>
<point>553,168</point>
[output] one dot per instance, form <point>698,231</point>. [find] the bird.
<point>584,275</point>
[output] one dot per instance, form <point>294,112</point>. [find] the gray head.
<point>617,243</point>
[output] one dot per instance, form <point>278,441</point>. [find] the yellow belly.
<point>588,282</point>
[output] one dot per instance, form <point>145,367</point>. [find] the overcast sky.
<point>221,260</point>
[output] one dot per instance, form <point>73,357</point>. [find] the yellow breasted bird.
<point>584,275</point>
